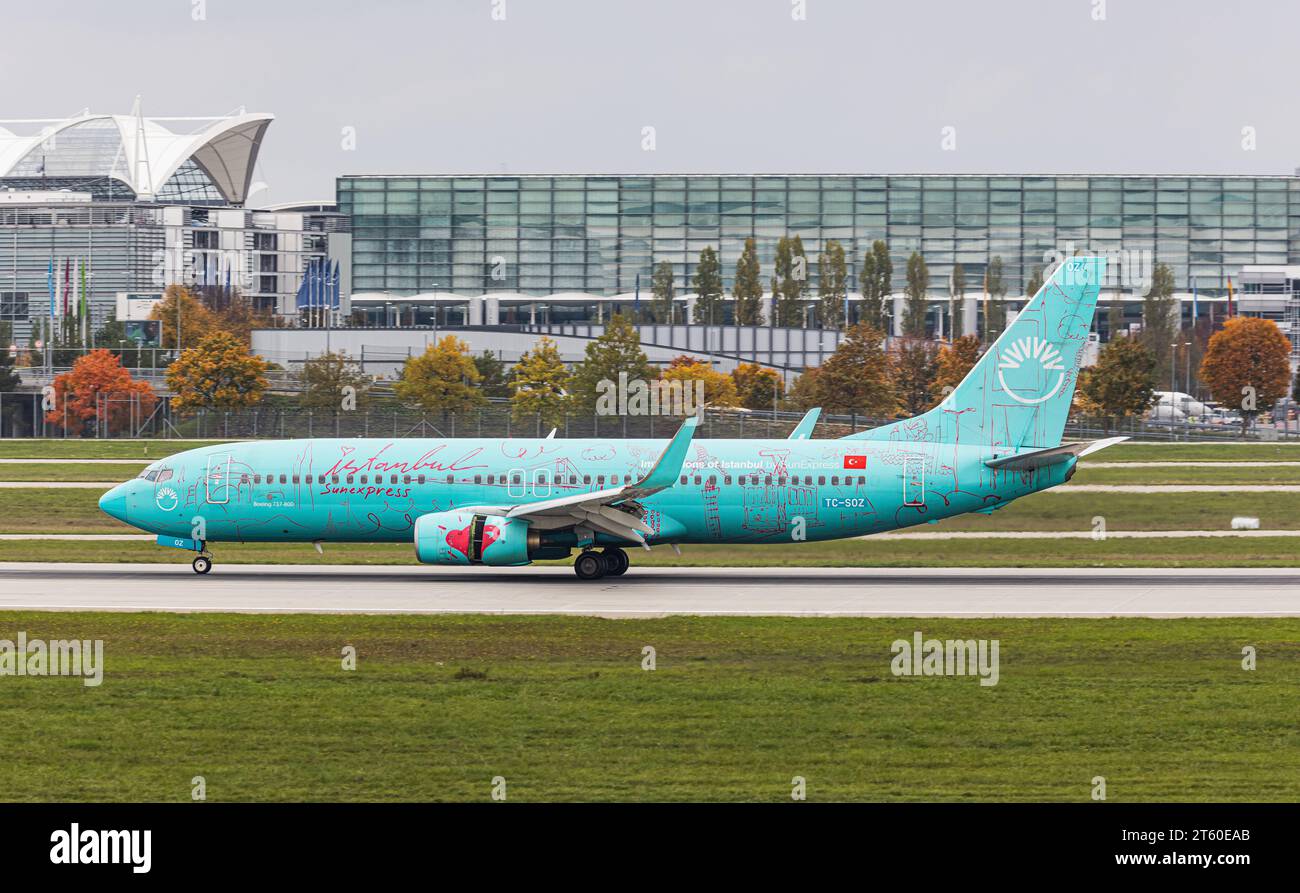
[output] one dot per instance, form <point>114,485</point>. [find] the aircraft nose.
<point>113,503</point>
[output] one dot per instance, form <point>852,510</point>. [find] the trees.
<point>748,289</point>
<point>1160,313</point>
<point>664,290</point>
<point>333,381</point>
<point>719,388</point>
<point>876,282</point>
<point>757,387</point>
<point>1121,384</point>
<point>98,390</point>
<point>995,311</point>
<point>9,379</point>
<point>708,287</point>
<point>1247,366</point>
<point>917,299</point>
<point>442,379</point>
<point>538,386</point>
<point>914,366</point>
<point>792,276</point>
<point>219,373</point>
<point>492,378</point>
<point>617,350</point>
<point>856,378</point>
<point>196,320</point>
<point>956,300</point>
<point>1034,284</point>
<point>955,360</point>
<point>832,285</point>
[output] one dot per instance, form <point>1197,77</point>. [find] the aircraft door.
<point>216,482</point>
<point>913,480</point>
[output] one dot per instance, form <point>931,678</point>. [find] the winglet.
<point>804,429</point>
<point>669,465</point>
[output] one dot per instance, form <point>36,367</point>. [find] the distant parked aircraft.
<point>512,501</point>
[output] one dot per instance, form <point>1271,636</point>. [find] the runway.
<point>650,592</point>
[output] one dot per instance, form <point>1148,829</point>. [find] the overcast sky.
<point>567,86</point>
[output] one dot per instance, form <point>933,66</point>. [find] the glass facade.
<point>545,235</point>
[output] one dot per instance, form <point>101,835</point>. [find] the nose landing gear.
<point>202,564</point>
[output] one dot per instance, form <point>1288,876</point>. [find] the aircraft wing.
<point>804,429</point>
<point>1051,456</point>
<point>614,510</point>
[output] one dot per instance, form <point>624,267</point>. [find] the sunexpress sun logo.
<point>1024,354</point>
<point>166,499</point>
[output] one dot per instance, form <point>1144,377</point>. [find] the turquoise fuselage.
<point>733,491</point>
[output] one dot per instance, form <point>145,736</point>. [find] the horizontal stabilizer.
<point>1051,456</point>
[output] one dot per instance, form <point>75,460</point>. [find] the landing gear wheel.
<point>202,564</point>
<point>589,566</point>
<point>616,561</point>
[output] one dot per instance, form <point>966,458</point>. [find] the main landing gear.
<point>202,564</point>
<point>592,565</point>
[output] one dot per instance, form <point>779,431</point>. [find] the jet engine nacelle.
<point>469,538</point>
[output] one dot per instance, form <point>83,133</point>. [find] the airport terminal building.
<point>509,249</point>
<point>118,207</point>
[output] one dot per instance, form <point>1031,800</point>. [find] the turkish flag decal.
<point>855,461</point>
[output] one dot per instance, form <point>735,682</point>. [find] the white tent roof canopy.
<point>144,153</point>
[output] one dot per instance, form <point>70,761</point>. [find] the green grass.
<point>71,471</point>
<point>1264,474</point>
<point>560,707</point>
<point>1288,451</point>
<point>880,552</point>
<point>90,448</point>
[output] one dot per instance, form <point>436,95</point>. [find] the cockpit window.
<point>164,475</point>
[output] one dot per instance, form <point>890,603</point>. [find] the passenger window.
<point>726,480</point>
<point>257,479</point>
<point>363,479</point>
<point>780,481</point>
<point>821,480</point>
<point>600,480</point>
<point>683,479</point>
<point>516,479</point>
<point>492,479</point>
<point>586,479</point>
<point>767,479</point>
<point>697,480</point>
<point>478,478</point>
<point>406,479</point>
<point>451,479</point>
<point>862,479</point>
<point>295,478</point>
<point>334,478</point>
<point>713,480</point>
<point>835,481</point>
<point>284,479</point>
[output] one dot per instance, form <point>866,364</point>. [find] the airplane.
<point>993,439</point>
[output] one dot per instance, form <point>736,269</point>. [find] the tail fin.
<point>1018,394</point>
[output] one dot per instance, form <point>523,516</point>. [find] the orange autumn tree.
<point>99,390</point>
<point>1247,367</point>
<point>219,373</point>
<point>719,388</point>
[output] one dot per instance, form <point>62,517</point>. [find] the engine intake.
<point>468,538</point>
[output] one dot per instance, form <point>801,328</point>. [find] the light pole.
<point>1173,371</point>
